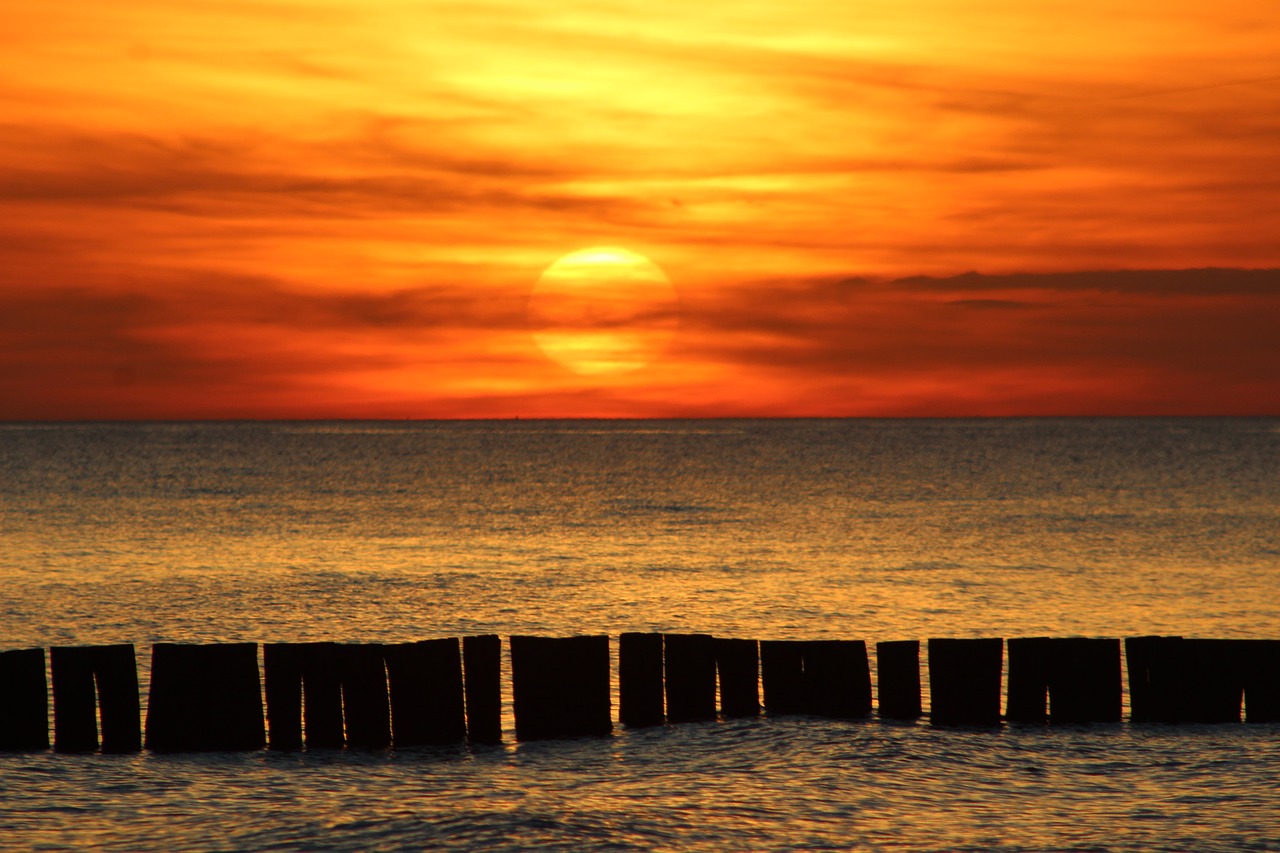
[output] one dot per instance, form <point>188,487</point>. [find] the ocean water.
<point>875,530</point>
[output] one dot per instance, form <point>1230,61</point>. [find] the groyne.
<point>287,696</point>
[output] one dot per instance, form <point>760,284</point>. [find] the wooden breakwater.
<point>373,695</point>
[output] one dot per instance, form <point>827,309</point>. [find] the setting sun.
<point>603,311</point>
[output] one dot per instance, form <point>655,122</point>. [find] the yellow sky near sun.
<point>209,152</point>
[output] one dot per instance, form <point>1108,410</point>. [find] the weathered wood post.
<point>482,680</point>
<point>640,686</point>
<point>282,674</point>
<point>76,670</point>
<point>782,677</point>
<point>304,689</point>
<point>365,705</point>
<point>24,701</point>
<point>425,689</point>
<point>204,698</point>
<point>1262,681</point>
<point>1084,681</point>
<point>690,665</point>
<point>898,679</point>
<point>1155,678</point>
<point>1030,665</point>
<point>837,678</point>
<point>738,667</point>
<point>964,681</point>
<point>560,687</point>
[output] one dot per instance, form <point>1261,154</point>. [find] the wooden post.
<point>322,695</point>
<point>309,675</point>
<point>690,665</point>
<point>1084,681</point>
<point>1215,678</point>
<point>24,701</point>
<point>837,678</point>
<point>898,679</point>
<point>204,698</point>
<point>482,669</point>
<point>782,677</point>
<point>1155,678</point>
<point>113,669</point>
<point>560,687</point>
<point>964,681</point>
<point>640,679</point>
<point>425,681</point>
<point>365,707</point>
<point>1030,664</point>
<point>738,666</point>
<point>1262,681</point>
<point>282,665</point>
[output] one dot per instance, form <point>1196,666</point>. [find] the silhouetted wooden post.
<point>1215,678</point>
<point>482,672</point>
<point>690,666</point>
<point>24,701</point>
<point>560,687</point>
<point>738,665</point>
<point>782,677</point>
<point>425,681</point>
<point>964,681</point>
<point>204,697</point>
<point>76,670</point>
<point>640,687</point>
<point>1155,678</point>
<point>1030,663</point>
<point>1084,681</point>
<point>898,679</point>
<point>282,665</point>
<point>322,695</point>
<point>1262,681</point>
<point>837,678</point>
<point>306,674</point>
<point>365,706</point>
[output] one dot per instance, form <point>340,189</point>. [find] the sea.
<point>771,529</point>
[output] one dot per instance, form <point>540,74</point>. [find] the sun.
<point>603,311</point>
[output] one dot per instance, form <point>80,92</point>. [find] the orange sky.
<point>339,208</point>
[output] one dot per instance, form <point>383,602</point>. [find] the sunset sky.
<point>340,208</point>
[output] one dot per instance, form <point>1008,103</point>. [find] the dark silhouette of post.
<point>1072,680</point>
<point>837,678</point>
<point>304,690</point>
<point>1155,678</point>
<point>1030,666</point>
<point>1215,671</point>
<point>964,681</point>
<point>482,674</point>
<point>322,695</point>
<point>898,679</point>
<point>78,673</point>
<point>738,667</point>
<point>24,701</point>
<point>782,677</point>
<point>204,698</point>
<point>640,687</point>
<point>425,685</point>
<point>1084,682</point>
<point>560,687</point>
<point>690,666</point>
<point>1262,681</point>
<point>282,665</point>
<point>365,706</point>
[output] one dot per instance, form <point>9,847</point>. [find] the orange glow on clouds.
<point>331,208</point>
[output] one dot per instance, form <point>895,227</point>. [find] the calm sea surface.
<point>871,530</point>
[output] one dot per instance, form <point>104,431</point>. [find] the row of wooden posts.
<point>209,697</point>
